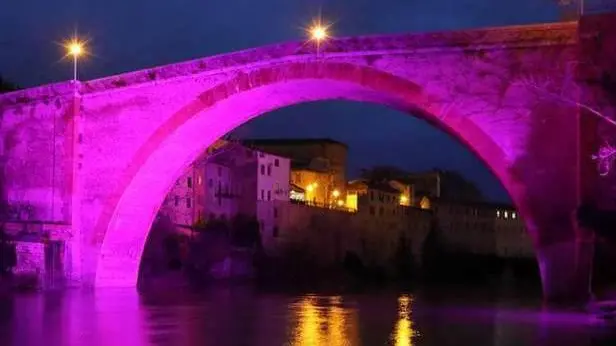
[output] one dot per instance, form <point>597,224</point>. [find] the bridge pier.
<point>566,271</point>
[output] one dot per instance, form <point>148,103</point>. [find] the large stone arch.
<point>127,216</point>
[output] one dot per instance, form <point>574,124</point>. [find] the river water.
<point>243,316</point>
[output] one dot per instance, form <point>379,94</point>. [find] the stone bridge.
<point>99,156</point>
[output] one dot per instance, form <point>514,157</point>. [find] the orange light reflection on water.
<point>404,333</point>
<point>331,324</point>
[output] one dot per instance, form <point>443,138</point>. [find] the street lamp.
<point>336,193</point>
<point>75,48</point>
<point>318,32</point>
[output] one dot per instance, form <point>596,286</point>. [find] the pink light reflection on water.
<point>244,317</point>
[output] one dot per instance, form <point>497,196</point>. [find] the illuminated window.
<point>498,213</point>
<point>514,215</point>
<point>506,215</point>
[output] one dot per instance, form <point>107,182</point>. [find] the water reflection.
<point>324,321</point>
<point>403,334</point>
<point>243,317</point>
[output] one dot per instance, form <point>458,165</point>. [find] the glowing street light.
<point>336,193</point>
<point>318,32</point>
<point>75,48</point>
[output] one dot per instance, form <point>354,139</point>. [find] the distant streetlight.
<point>336,193</point>
<point>318,32</point>
<point>75,48</point>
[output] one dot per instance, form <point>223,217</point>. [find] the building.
<point>385,217</point>
<point>320,164</point>
<point>466,227</point>
<point>440,184</point>
<point>316,184</point>
<point>483,228</point>
<point>512,238</point>
<point>323,233</point>
<point>227,180</point>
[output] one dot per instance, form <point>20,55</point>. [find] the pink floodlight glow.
<point>197,125</point>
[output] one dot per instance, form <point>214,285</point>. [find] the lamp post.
<point>318,33</point>
<point>75,48</point>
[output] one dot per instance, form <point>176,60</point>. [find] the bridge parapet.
<point>564,33</point>
<point>43,93</point>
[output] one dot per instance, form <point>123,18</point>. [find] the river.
<point>244,316</point>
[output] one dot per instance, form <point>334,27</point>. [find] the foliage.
<point>383,173</point>
<point>6,86</point>
<point>8,254</point>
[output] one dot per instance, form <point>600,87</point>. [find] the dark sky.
<point>133,34</point>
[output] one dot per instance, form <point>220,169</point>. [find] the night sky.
<point>134,34</point>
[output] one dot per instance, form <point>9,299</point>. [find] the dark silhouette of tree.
<point>8,254</point>
<point>6,86</point>
<point>455,187</point>
<point>383,173</point>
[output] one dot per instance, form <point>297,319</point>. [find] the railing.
<point>323,206</point>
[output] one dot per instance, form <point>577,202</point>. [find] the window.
<point>219,172</point>
<point>275,213</point>
<point>189,182</point>
<point>262,169</point>
<point>261,154</point>
<point>188,202</point>
<point>381,211</point>
<point>269,195</point>
<point>371,210</point>
<point>275,232</point>
<point>199,180</point>
<point>276,163</point>
<point>372,195</point>
<point>177,200</point>
<point>269,169</point>
<point>262,195</point>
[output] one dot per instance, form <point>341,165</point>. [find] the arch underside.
<point>180,140</point>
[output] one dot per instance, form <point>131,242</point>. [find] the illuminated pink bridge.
<point>100,156</point>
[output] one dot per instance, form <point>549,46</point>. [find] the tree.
<point>6,86</point>
<point>383,173</point>
<point>8,254</point>
<point>566,90</point>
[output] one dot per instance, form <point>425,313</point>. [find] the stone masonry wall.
<point>30,260</point>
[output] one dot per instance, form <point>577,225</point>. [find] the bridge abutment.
<point>565,270</point>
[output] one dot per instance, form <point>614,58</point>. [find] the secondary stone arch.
<point>122,228</point>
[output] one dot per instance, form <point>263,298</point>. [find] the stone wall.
<point>30,261</point>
